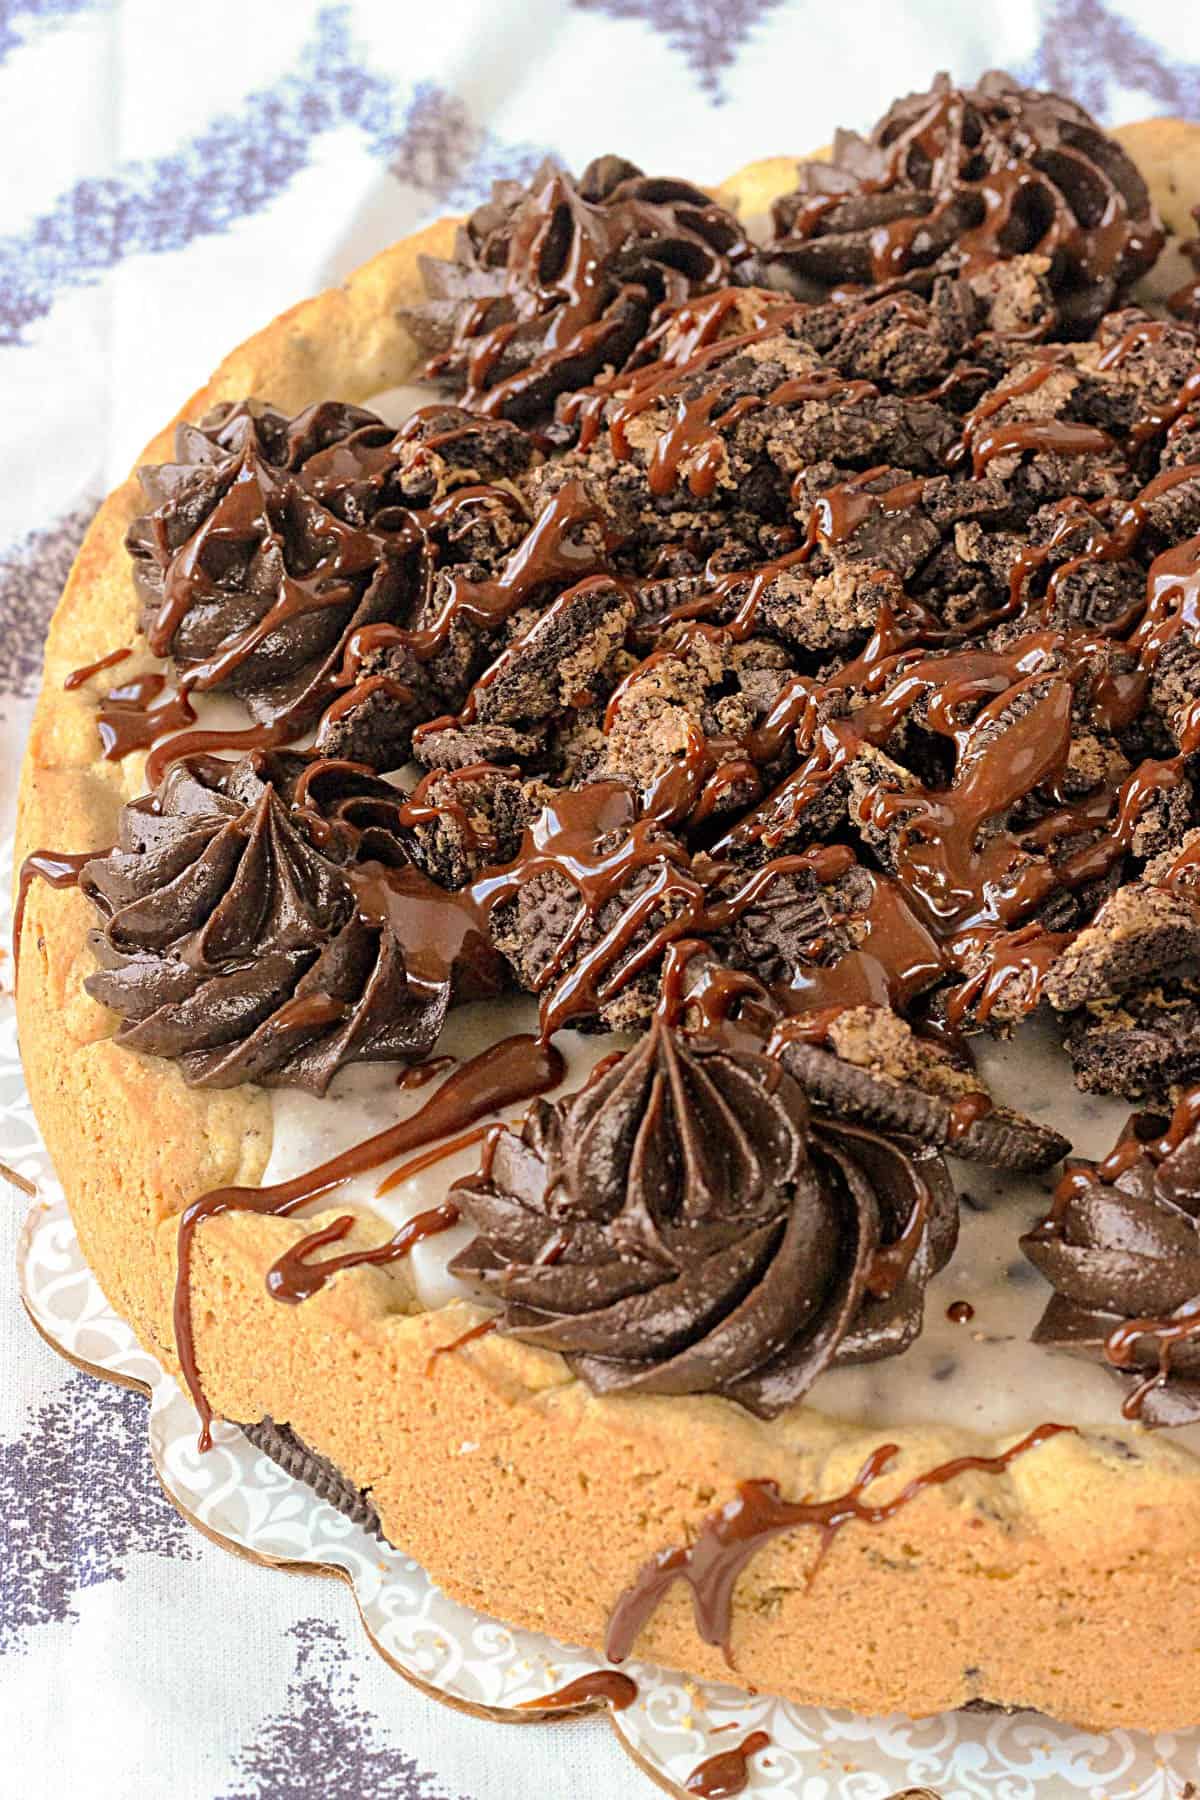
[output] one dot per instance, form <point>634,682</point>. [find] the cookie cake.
<point>608,805</point>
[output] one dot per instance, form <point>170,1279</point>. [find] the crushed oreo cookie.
<point>816,679</point>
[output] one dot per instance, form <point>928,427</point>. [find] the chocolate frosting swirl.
<point>553,282</point>
<point>684,1225</point>
<point>1122,1250</point>
<point>960,178</point>
<point>270,540</point>
<point>240,938</point>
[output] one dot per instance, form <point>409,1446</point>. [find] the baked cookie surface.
<point>536,1473</point>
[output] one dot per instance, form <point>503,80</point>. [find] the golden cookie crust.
<point>1070,1583</point>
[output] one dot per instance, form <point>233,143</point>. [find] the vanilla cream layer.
<point>364,1100</point>
<point>983,1375</point>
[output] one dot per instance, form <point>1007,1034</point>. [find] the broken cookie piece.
<point>1140,1044</point>
<point>869,1065</point>
<point>1143,933</point>
<point>686,726</point>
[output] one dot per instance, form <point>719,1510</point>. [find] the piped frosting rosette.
<point>1121,1248</point>
<point>686,1225</point>
<point>242,936</point>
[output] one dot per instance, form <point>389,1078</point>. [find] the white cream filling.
<point>394,405</point>
<point>367,1099</point>
<point>984,1375</point>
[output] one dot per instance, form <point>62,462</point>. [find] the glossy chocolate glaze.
<point>726,1772</point>
<point>606,1687</point>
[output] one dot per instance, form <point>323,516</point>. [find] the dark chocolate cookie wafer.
<point>293,1455</point>
<point>996,1135</point>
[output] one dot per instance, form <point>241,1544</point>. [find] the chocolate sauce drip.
<point>78,677</point>
<point>293,1276</point>
<point>728,1771</point>
<point>513,1070</point>
<point>58,869</point>
<point>422,1073</point>
<point>426,1159</point>
<point>606,1687</point>
<point>135,714</point>
<point>728,1539</point>
<point>483,1329</point>
<point>682,1226</point>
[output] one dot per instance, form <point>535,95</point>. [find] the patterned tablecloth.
<point>172,177</point>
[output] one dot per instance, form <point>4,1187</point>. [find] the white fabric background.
<point>172,177</point>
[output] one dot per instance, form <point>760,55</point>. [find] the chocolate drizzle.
<point>1121,1247</point>
<point>58,869</point>
<point>957,179</point>
<point>80,677</point>
<point>512,1070</point>
<point>294,1276</point>
<point>683,1226</point>
<point>606,1687</point>
<point>483,1328</point>
<point>728,1539</point>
